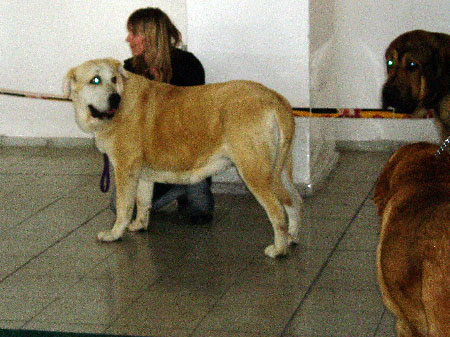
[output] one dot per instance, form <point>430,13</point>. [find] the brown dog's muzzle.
<point>393,98</point>
<point>390,95</point>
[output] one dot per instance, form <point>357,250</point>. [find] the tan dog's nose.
<point>114,102</point>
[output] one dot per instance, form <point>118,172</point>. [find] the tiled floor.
<point>178,279</point>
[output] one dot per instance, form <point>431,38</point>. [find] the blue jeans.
<point>195,199</point>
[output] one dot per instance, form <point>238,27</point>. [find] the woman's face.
<point>136,42</point>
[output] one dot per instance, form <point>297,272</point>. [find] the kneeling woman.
<point>153,40</point>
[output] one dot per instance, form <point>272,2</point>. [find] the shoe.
<point>201,219</point>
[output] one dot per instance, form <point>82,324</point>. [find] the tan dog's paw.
<point>293,240</point>
<point>294,237</point>
<point>108,236</point>
<point>137,226</point>
<point>273,252</point>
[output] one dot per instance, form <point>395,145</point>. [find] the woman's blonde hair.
<point>161,36</point>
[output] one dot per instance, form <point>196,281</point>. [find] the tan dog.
<point>413,256</point>
<point>418,66</point>
<point>156,132</point>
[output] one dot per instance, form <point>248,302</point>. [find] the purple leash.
<point>105,179</point>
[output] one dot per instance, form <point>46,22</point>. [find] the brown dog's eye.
<point>411,66</point>
<point>114,80</point>
<point>390,64</point>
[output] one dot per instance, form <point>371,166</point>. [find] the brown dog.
<point>156,132</point>
<point>418,67</point>
<point>413,256</point>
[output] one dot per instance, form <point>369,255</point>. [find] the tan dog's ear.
<point>68,82</point>
<point>124,75</point>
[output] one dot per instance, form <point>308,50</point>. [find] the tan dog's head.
<point>418,68</point>
<point>95,88</point>
<point>412,166</point>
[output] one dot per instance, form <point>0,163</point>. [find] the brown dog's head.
<point>418,69</point>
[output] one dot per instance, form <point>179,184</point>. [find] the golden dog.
<point>418,67</point>
<point>156,132</point>
<point>413,256</point>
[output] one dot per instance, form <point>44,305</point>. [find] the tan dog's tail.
<point>283,157</point>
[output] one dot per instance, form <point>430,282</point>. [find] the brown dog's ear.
<point>445,57</point>
<point>68,82</point>
<point>442,54</point>
<point>437,71</point>
<point>382,189</point>
<point>383,192</point>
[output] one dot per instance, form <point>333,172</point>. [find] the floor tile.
<point>350,270</point>
<point>67,327</point>
<point>83,310</point>
<point>264,318</point>
<point>24,284</point>
<point>22,308</point>
<point>387,326</point>
<point>359,242</point>
<point>333,323</point>
<point>225,333</point>
<point>177,279</point>
<point>11,324</point>
<point>142,330</point>
<point>163,314</point>
<point>10,263</point>
<point>343,300</point>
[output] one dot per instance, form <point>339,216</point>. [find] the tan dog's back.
<point>175,128</point>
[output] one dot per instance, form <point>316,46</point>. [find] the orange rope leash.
<point>298,112</point>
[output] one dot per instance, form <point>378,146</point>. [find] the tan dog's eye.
<point>96,80</point>
<point>114,80</point>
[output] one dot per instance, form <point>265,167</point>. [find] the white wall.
<point>249,39</point>
<point>265,41</point>
<point>40,42</point>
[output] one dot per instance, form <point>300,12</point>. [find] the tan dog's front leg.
<point>125,198</point>
<point>143,202</point>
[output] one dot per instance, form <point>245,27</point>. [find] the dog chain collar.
<point>443,147</point>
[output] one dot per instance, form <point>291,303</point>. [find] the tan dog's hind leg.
<point>143,202</point>
<point>277,217</point>
<point>295,209</point>
<point>126,191</point>
<point>260,183</point>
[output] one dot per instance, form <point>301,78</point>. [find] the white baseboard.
<point>60,142</point>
